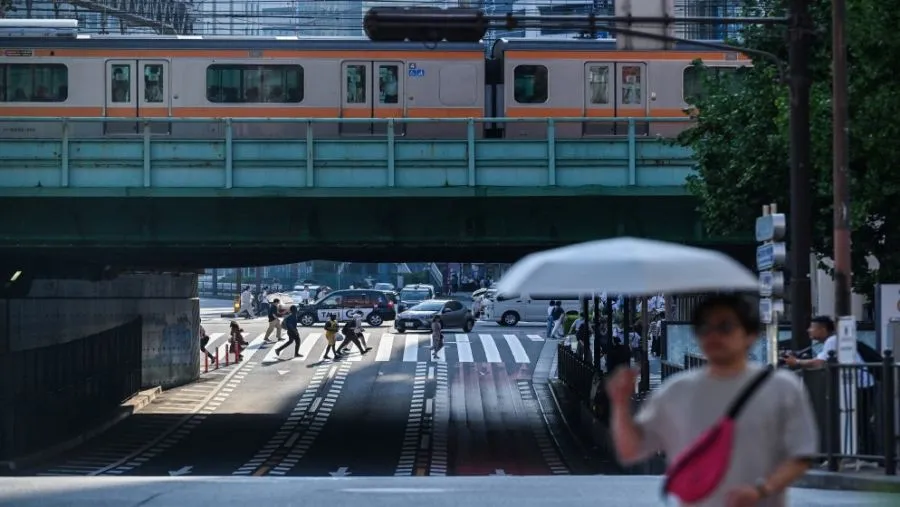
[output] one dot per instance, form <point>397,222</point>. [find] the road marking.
<point>271,356</point>
<point>490,349</point>
<point>411,349</point>
<point>385,346</point>
<point>290,442</point>
<point>535,337</point>
<point>518,351</point>
<point>173,434</point>
<point>307,344</point>
<point>464,348</point>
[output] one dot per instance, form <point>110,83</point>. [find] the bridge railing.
<point>319,160</point>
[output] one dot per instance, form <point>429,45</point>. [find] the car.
<point>411,295</point>
<point>387,287</point>
<point>453,315</point>
<point>374,306</point>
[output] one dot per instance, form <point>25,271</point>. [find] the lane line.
<point>518,351</point>
<point>464,348</point>
<point>385,347</point>
<point>411,349</point>
<point>490,349</point>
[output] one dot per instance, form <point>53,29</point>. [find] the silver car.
<point>454,315</point>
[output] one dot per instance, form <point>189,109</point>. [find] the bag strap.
<point>748,391</point>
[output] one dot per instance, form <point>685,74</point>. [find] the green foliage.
<point>5,6</point>
<point>741,137</point>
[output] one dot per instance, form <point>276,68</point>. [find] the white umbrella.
<point>626,266</point>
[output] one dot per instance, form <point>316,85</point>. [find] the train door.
<point>614,90</point>
<point>137,89</point>
<point>372,89</point>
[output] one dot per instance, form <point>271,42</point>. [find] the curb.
<point>125,410</point>
<point>817,479</point>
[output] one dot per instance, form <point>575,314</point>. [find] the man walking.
<point>290,325</point>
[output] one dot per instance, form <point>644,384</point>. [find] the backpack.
<point>870,355</point>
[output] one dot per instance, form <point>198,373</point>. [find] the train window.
<point>120,83</point>
<point>356,84</point>
<point>388,84</point>
<point>694,79</point>
<point>254,84</point>
<point>153,83</point>
<point>598,77</point>
<point>34,82</point>
<point>631,85</point>
<point>530,84</point>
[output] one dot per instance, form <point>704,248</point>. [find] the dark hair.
<point>824,321</point>
<point>745,308</point>
<point>293,309</point>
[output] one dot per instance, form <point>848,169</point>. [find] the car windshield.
<point>414,295</point>
<point>428,306</point>
<point>383,286</point>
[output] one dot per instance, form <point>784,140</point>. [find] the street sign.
<point>846,352</point>
<point>771,284</point>
<point>765,310</point>
<point>770,255</point>
<point>771,227</point>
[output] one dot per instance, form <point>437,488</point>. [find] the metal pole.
<point>801,184</point>
<point>645,356</point>
<point>841,162</point>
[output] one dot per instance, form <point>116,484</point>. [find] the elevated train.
<point>66,74</point>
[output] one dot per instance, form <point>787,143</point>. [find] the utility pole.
<point>840,179</point>
<point>800,181</point>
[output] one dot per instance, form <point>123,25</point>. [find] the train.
<point>66,74</point>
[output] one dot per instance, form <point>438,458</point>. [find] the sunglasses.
<point>720,328</point>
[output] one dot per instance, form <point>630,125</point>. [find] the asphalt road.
<point>394,411</point>
<point>609,491</point>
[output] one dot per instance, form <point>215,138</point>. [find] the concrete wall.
<point>59,311</point>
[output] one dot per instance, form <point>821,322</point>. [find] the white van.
<point>510,309</point>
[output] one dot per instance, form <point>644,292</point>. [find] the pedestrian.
<point>204,341</point>
<point>331,331</point>
<point>274,323</point>
<point>550,318</point>
<point>290,325</point>
<point>350,336</point>
<point>437,336</point>
<point>771,442</point>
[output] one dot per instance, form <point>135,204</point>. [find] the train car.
<point>225,77</point>
<point>593,79</point>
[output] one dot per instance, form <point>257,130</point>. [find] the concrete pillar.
<point>59,311</point>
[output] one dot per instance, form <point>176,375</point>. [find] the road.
<point>633,491</point>
<point>391,412</point>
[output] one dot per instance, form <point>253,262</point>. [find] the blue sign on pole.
<point>765,257</point>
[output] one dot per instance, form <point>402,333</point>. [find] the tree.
<point>741,137</point>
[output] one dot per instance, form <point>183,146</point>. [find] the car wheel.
<point>401,329</point>
<point>510,318</point>
<point>307,320</point>
<point>375,320</point>
<point>468,326</point>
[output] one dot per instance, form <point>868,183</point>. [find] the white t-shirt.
<point>831,344</point>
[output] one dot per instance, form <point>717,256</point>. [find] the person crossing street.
<point>290,325</point>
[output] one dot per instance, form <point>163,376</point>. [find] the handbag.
<point>697,471</point>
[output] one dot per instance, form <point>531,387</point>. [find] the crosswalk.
<point>412,348</point>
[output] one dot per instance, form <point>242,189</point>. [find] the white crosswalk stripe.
<point>490,348</point>
<point>410,348</point>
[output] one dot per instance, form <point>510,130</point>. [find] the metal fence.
<point>855,405</point>
<point>48,394</point>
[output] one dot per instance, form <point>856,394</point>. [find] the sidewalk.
<point>593,434</point>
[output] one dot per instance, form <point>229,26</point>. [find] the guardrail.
<point>863,433</point>
<point>221,356</point>
<point>313,153</point>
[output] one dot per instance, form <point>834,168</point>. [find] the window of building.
<point>254,84</point>
<point>530,84</point>
<point>34,82</point>
<point>694,79</point>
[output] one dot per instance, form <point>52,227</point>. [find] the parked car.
<point>453,315</point>
<point>374,306</point>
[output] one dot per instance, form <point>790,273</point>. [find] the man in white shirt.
<point>821,329</point>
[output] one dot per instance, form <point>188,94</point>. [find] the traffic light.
<point>425,24</point>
